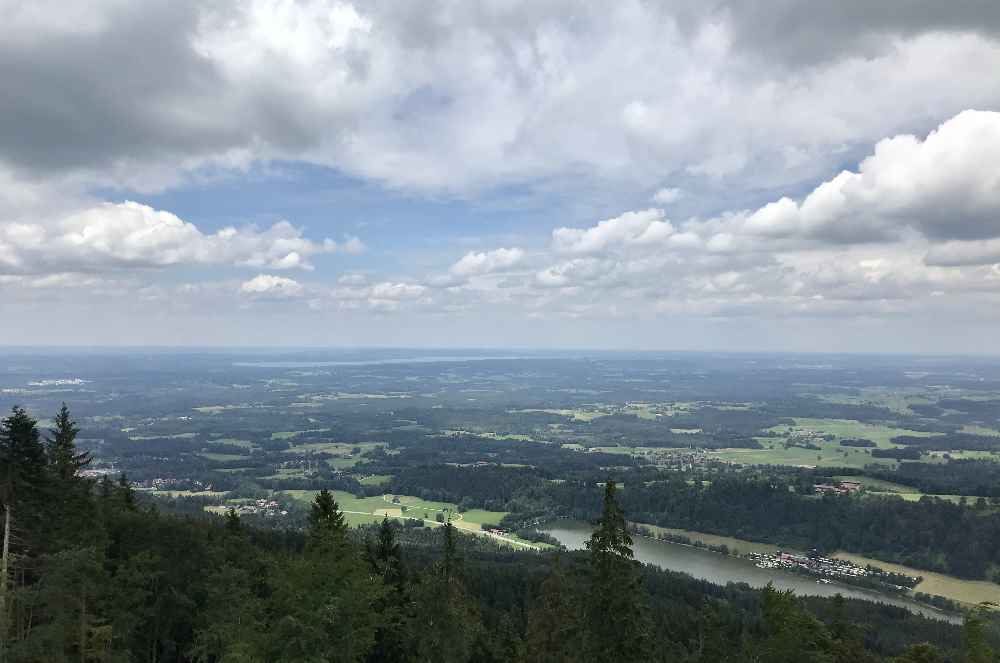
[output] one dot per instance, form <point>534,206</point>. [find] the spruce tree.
<point>63,456</point>
<point>554,629</point>
<point>617,614</point>
<point>22,457</point>
<point>975,645</point>
<point>384,554</point>
<point>326,521</point>
<point>22,479</point>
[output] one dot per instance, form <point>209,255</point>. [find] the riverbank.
<point>967,593</point>
<point>705,564</point>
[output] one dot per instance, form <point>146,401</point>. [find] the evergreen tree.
<point>326,522</point>
<point>22,457</point>
<point>976,648</point>
<point>790,634</point>
<point>64,458</point>
<point>618,625</point>
<point>125,493</point>
<point>922,653</point>
<point>384,554</point>
<point>445,622</point>
<point>22,478</point>
<point>385,561</point>
<point>554,629</point>
<point>233,525</point>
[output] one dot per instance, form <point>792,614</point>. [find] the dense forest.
<point>90,574</point>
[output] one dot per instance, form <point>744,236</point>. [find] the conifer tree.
<point>554,629</point>
<point>445,623</point>
<point>125,493</point>
<point>385,560</point>
<point>976,648</point>
<point>326,522</point>
<point>233,525</point>
<point>618,626</point>
<point>384,554</point>
<point>22,476</point>
<point>63,456</point>
<point>921,653</point>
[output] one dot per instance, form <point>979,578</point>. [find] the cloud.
<point>944,187</point>
<point>667,195</point>
<point>626,96</point>
<point>487,262</point>
<point>645,227</point>
<point>270,286</point>
<point>133,236</point>
<point>960,253</point>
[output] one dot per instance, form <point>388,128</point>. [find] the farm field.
<point>965,591</point>
<point>738,546</point>
<point>829,454</point>
<point>359,511</point>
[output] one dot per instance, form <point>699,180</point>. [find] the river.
<point>722,569</point>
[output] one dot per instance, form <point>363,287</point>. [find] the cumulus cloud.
<point>946,186</point>
<point>644,227</point>
<point>130,235</point>
<point>268,285</point>
<point>476,263</point>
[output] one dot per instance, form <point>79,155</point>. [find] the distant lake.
<point>367,362</point>
<point>722,569</point>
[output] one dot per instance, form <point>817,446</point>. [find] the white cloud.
<point>268,285</point>
<point>130,235</point>
<point>944,187</point>
<point>630,95</point>
<point>667,195</point>
<point>396,291</point>
<point>646,227</point>
<point>958,253</point>
<point>487,262</point>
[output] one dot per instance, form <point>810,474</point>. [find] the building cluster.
<point>165,483</point>
<point>825,567</point>
<point>838,488</point>
<point>261,507</point>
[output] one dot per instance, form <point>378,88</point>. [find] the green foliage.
<point>63,456</point>
<point>130,584</point>
<point>617,616</point>
<point>327,525</point>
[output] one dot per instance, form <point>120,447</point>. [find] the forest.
<point>92,573</point>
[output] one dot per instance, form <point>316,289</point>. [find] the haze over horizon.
<point>647,176</point>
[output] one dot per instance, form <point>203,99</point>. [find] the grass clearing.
<point>373,509</point>
<point>830,453</point>
<point>222,458</point>
<point>956,589</point>
<point>574,414</point>
<point>737,546</point>
<point>375,480</point>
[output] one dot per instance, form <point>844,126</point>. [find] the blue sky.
<point>539,174</point>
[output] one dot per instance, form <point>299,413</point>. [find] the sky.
<point>678,175</point>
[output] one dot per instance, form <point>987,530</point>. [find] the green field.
<point>375,480</point>
<point>938,584</point>
<point>575,415</point>
<point>363,510</point>
<point>736,546</point>
<point>220,457</point>
<point>878,484</point>
<point>829,454</point>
